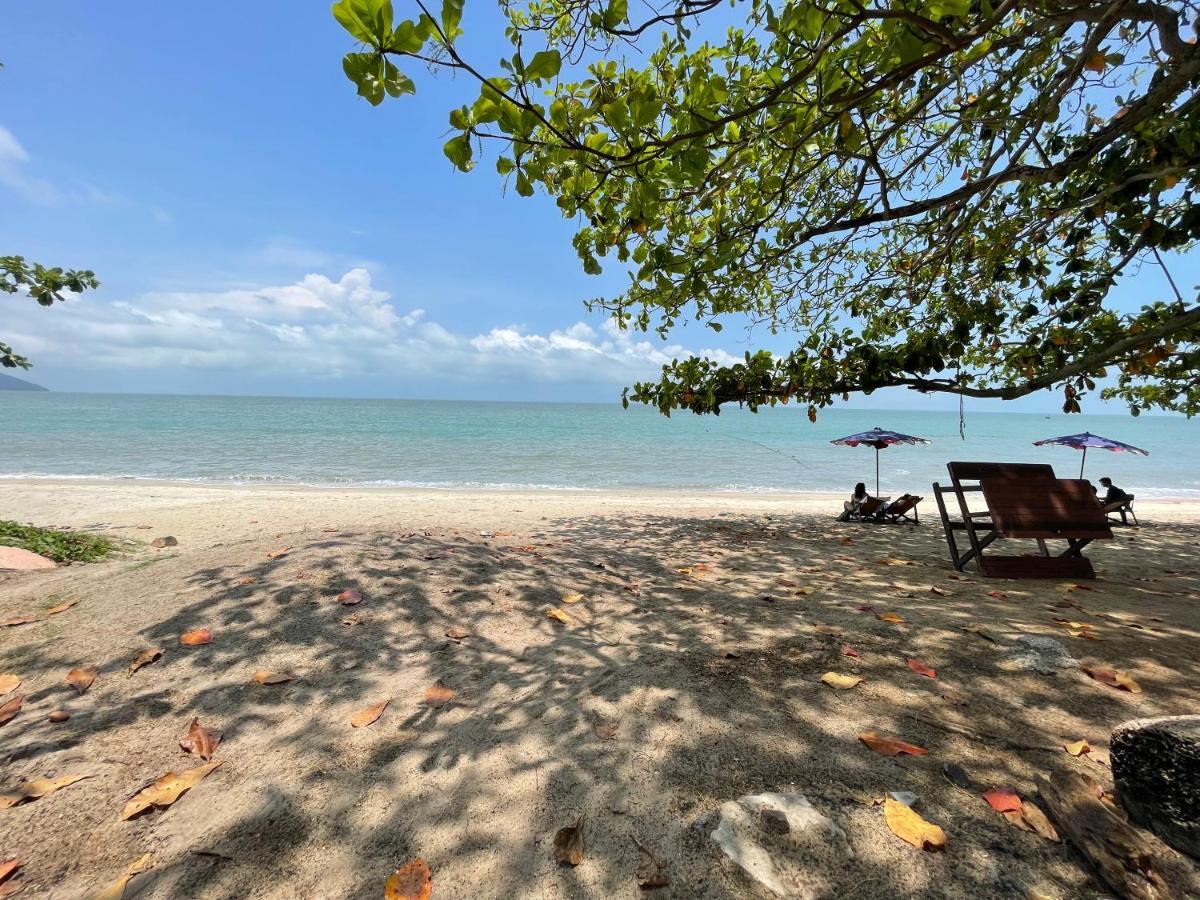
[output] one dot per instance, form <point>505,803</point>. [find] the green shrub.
<point>60,546</point>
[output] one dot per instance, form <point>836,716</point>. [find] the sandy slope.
<point>711,678</point>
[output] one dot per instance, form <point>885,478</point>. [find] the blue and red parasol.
<point>1086,440</point>
<point>880,440</point>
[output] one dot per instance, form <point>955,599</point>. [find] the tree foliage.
<point>935,194</point>
<point>41,284</point>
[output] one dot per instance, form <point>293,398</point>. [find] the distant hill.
<point>8,383</point>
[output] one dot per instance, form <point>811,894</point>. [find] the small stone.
<point>18,560</point>
<point>59,715</point>
<point>773,821</point>
<point>1156,770</point>
<point>161,542</point>
<point>1043,655</point>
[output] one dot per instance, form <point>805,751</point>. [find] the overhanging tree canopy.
<point>937,195</point>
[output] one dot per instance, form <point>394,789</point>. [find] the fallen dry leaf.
<point>908,825</point>
<point>19,620</point>
<point>58,716</point>
<point>1112,677</point>
<point>166,790</point>
<point>200,740</point>
<point>651,873</point>
<point>572,597</point>
<point>38,788</point>
<point>560,615</point>
<point>282,551</point>
<point>1077,748</point>
<point>9,683</point>
<point>438,695</point>
<point>889,617</point>
<point>10,888</point>
<point>981,632</point>
<point>352,620</point>
<point>997,595</point>
<point>365,717</point>
<point>892,561</point>
<point>847,541</point>
<point>412,881</point>
<point>940,592</point>
<point>840,681</point>
<point>606,731</point>
<point>1003,799</point>
<point>263,676</point>
<point>61,608</point>
<point>144,658</point>
<point>887,746</point>
<point>247,579</point>
<point>196,637</point>
<point>10,709</point>
<point>847,650</point>
<point>350,597</point>
<point>920,668</point>
<point>116,890</point>
<point>457,634</point>
<point>1030,818</point>
<point>568,844</point>
<point>81,679</point>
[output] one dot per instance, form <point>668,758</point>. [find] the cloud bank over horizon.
<point>321,329</point>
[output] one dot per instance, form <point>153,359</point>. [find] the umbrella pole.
<point>876,471</point>
<point>1082,461</point>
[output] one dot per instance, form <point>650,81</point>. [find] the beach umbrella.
<point>1086,440</point>
<point>879,439</point>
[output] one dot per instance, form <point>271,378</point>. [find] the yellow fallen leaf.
<point>889,617</point>
<point>365,717</point>
<point>572,597</point>
<point>38,788</point>
<point>9,683</point>
<point>61,608</point>
<point>438,695</point>
<point>840,681</point>
<point>1077,748</point>
<point>908,825</point>
<point>116,890</point>
<point>560,615</point>
<point>265,676</point>
<point>166,790</point>
<point>81,679</point>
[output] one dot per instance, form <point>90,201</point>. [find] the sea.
<point>550,446</point>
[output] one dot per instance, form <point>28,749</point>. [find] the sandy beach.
<point>684,672</point>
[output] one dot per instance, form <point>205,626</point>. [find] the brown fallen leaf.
<point>651,872</point>
<point>889,617</point>
<point>282,551</point>
<point>200,740</point>
<point>568,844</point>
<point>350,597</point>
<point>940,592</point>
<point>1030,818</point>
<point>606,731</point>
<point>920,668</point>
<point>144,658</point>
<point>365,717</point>
<point>18,620</point>
<point>9,683</point>
<point>196,637</point>
<point>412,881</point>
<point>81,679</point>
<point>571,597</point>
<point>1077,748</point>
<point>847,650</point>
<point>263,676</point>
<point>57,716</point>
<point>847,541</point>
<point>887,746</point>
<point>247,579</point>
<point>892,561</point>
<point>982,632</point>
<point>560,615</point>
<point>166,790</point>
<point>10,888</point>
<point>10,708</point>
<point>1114,678</point>
<point>457,634</point>
<point>352,620</point>
<point>61,608</point>
<point>438,695</point>
<point>1002,799</point>
<point>116,890</point>
<point>840,681</point>
<point>997,595</point>
<point>38,788</point>
<point>908,825</point>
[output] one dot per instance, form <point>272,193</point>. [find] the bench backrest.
<point>975,471</point>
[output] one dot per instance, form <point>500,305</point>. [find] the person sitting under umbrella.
<point>857,499</point>
<point>1114,498</point>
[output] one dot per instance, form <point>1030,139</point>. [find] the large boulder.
<point>1156,767</point>
<point>16,559</point>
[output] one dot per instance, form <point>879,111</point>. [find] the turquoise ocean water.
<point>255,440</point>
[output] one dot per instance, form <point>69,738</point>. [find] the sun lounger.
<point>903,509</point>
<point>867,511</point>
<point>1022,502</point>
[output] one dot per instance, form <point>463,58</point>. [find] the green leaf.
<point>458,151</point>
<point>369,21</point>
<point>452,11</point>
<point>616,13</point>
<point>545,64</point>
<point>365,70</point>
<point>396,82</point>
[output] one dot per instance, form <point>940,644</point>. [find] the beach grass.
<point>55,543</point>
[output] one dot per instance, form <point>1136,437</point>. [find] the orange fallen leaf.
<point>38,788</point>
<point>7,868</point>
<point>247,579</point>
<point>1078,748</point>
<point>196,637</point>
<point>1002,799</point>
<point>10,708</point>
<point>457,634</point>
<point>81,679</point>
<point>438,695</point>
<point>920,668</point>
<point>1112,677</point>
<point>61,608</point>
<point>560,615</point>
<point>889,617</point>
<point>116,890</point>
<point>263,676</point>
<point>908,825</point>
<point>840,681</point>
<point>282,551</point>
<point>568,844</point>
<point>144,658</point>
<point>9,683</point>
<point>166,790</point>
<point>365,717</point>
<point>200,740</point>
<point>892,561</point>
<point>887,746</point>
<point>412,881</point>
<point>19,620</point>
<point>350,597</point>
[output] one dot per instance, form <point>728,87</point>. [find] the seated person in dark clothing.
<point>1114,498</point>
<point>857,499</point>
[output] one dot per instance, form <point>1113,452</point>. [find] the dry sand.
<point>689,677</point>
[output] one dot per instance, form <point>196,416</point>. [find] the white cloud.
<point>14,171</point>
<point>319,328</point>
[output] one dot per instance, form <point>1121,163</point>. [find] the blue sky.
<point>212,164</point>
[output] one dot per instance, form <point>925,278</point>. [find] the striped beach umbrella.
<point>880,440</point>
<point>1086,440</point>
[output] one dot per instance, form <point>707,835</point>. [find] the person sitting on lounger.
<point>1114,498</point>
<point>857,499</point>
